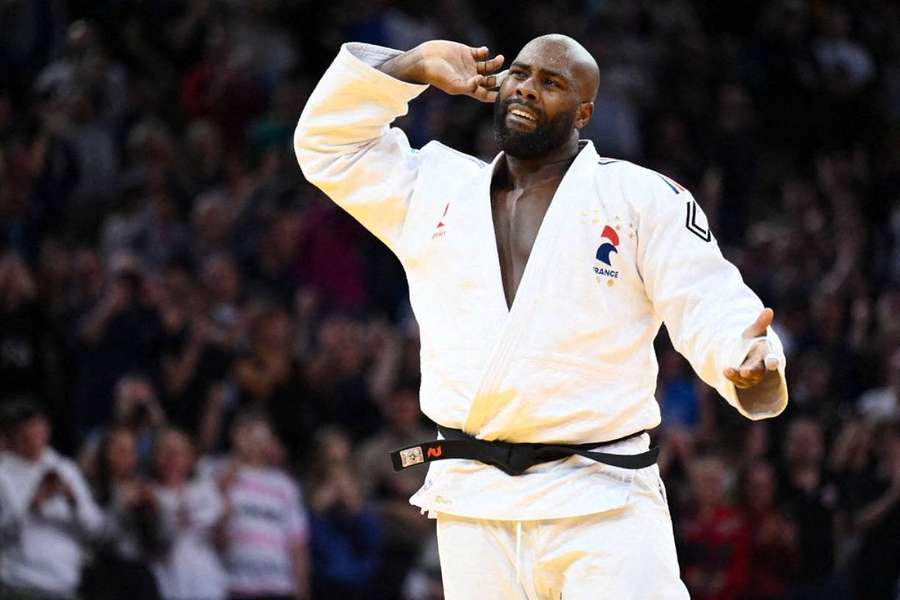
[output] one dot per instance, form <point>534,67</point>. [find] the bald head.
<point>564,54</point>
<point>546,98</point>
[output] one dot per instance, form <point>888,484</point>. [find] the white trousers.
<point>623,554</point>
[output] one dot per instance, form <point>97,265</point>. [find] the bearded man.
<point>539,282</point>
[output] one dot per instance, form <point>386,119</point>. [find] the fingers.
<point>759,326</point>
<point>752,372</point>
<point>484,95</point>
<point>752,369</point>
<point>480,53</point>
<point>483,64</point>
<point>486,67</point>
<point>488,82</point>
<point>760,359</point>
<point>483,88</point>
<point>745,377</point>
<point>493,82</point>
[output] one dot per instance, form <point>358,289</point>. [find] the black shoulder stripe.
<point>690,221</point>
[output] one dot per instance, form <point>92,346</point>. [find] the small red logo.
<point>435,452</point>
<point>439,230</point>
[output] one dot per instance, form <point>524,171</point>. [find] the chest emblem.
<point>604,267</point>
<point>609,244</point>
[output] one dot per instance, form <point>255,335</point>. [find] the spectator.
<point>265,532</point>
<point>269,379</point>
<point>203,327</point>
<point>190,509</point>
<point>883,403</point>
<point>424,580</point>
<point>22,330</point>
<point>811,500</point>
<point>122,333</point>
<point>714,537</point>
<point>773,553</point>
<point>130,534</point>
<point>403,426</point>
<point>46,512</point>
<point>677,392</point>
<point>336,375</point>
<point>405,528</point>
<point>135,408</point>
<point>346,531</point>
<point>877,515</point>
<point>836,51</point>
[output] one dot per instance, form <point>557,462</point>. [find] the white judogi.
<point>620,250</point>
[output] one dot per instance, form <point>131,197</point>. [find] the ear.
<point>583,114</point>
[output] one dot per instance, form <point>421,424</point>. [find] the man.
<point>539,282</point>
<point>402,428</point>
<point>406,531</point>
<point>46,511</point>
<point>265,529</point>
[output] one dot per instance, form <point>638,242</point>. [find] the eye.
<point>550,83</point>
<point>517,74</point>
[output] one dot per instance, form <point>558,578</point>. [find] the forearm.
<point>211,419</point>
<point>364,89</point>
<point>408,67</point>
<point>346,147</point>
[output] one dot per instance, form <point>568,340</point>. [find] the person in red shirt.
<point>714,537</point>
<point>774,550</point>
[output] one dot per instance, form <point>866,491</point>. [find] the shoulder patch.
<point>696,226</point>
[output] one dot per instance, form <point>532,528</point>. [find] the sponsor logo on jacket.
<point>609,245</point>
<point>441,229</point>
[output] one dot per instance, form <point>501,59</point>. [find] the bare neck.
<point>522,173</point>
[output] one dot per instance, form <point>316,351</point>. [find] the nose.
<point>526,89</point>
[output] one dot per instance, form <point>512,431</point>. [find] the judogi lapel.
<point>490,395</point>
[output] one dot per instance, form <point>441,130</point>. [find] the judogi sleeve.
<point>699,295</point>
<point>346,148</point>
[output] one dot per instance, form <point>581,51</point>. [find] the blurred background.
<point>203,361</point>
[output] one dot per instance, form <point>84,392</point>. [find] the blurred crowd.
<point>203,362</point>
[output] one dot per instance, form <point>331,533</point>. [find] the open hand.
<point>760,358</point>
<point>451,67</point>
<point>459,69</point>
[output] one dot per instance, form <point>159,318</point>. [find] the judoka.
<point>539,282</point>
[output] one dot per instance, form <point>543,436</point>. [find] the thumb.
<point>758,328</point>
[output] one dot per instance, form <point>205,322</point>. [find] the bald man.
<point>539,281</point>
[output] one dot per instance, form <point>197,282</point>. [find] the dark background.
<point>154,225</point>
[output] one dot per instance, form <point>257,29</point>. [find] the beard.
<point>545,137</point>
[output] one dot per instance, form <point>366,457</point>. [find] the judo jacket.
<point>621,250</point>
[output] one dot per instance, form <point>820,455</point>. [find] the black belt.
<point>514,458</point>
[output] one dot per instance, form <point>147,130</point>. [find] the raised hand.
<point>451,67</point>
<point>760,358</point>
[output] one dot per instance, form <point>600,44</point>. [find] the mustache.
<point>511,103</point>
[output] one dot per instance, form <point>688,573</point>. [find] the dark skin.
<point>553,74</point>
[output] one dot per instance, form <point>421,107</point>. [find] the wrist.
<point>408,67</point>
